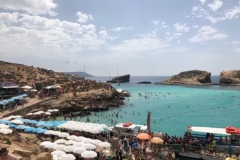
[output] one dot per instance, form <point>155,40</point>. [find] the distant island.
<point>81,74</point>
<point>120,79</point>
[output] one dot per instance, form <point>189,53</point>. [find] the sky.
<point>118,37</point>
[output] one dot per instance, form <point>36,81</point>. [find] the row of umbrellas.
<point>48,112</point>
<point>13,99</point>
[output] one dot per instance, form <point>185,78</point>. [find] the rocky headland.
<point>231,77</point>
<point>144,82</point>
<point>120,79</point>
<point>79,94</point>
<point>193,77</point>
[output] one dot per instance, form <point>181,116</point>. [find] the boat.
<point>127,129</point>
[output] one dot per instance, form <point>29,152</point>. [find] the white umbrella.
<point>55,157</point>
<point>89,146</point>
<point>68,148</point>
<point>79,150</point>
<point>50,145</point>
<point>86,140</point>
<point>49,132</point>
<point>29,114</point>
<point>17,121</point>
<point>5,131</point>
<point>96,141</point>
<point>60,141</point>
<point>72,137</point>
<point>59,147</point>
<point>89,154</point>
<point>103,125</point>
<point>78,139</point>
<point>55,110</point>
<point>47,113</point>
<point>104,144</point>
<point>67,157</point>
<point>50,110</point>
<point>26,87</point>
<point>2,126</point>
<point>63,134</point>
<point>7,118</point>
<point>69,142</point>
<point>44,143</point>
<point>78,144</point>
<point>58,153</point>
<point>34,90</point>
<point>94,131</point>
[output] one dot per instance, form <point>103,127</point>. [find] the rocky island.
<point>120,79</point>
<point>231,77</point>
<point>193,77</point>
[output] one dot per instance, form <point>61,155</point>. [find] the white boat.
<point>127,129</point>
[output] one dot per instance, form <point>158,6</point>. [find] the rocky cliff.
<point>231,77</point>
<point>193,77</point>
<point>120,79</point>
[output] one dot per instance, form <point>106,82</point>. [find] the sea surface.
<point>173,108</point>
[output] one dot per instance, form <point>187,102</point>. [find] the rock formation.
<point>193,77</point>
<point>144,82</point>
<point>120,79</point>
<point>231,77</point>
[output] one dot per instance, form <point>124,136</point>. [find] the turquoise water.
<point>174,108</point>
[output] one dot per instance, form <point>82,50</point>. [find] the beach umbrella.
<point>67,157</point>
<point>41,131</point>
<point>79,150</point>
<point>143,136</point>
<point>11,125</point>
<point>29,129</point>
<point>156,140</point>
<point>68,148</point>
<point>34,90</point>
<point>50,145</point>
<point>26,87</point>
<point>3,126</point>
<point>55,110</point>
<point>20,127</point>
<point>79,139</point>
<point>17,121</point>
<point>33,122</point>
<point>78,144</point>
<point>49,110</point>
<point>58,153</point>
<point>69,142</point>
<point>7,118</point>
<point>49,132</point>
<point>59,147</point>
<point>29,114</point>
<point>44,143</point>
<point>87,140</point>
<point>54,157</point>
<point>104,144</point>
<point>63,134</point>
<point>71,137</point>
<point>89,154</point>
<point>89,146</point>
<point>47,113</point>
<point>96,141</point>
<point>103,125</point>
<point>3,121</point>
<point>5,131</point>
<point>60,141</point>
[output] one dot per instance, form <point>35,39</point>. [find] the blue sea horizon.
<point>173,108</point>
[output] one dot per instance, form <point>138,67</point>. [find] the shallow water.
<point>174,108</point>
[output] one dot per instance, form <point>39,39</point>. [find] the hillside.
<point>25,75</point>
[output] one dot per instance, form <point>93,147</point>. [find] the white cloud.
<point>236,42</point>
<point>195,26</point>
<point>119,29</point>
<point>33,7</point>
<point>207,33</point>
<point>163,25</point>
<point>232,13</point>
<point>181,28</point>
<point>202,1</point>
<point>83,18</point>
<point>215,5</point>
<point>143,44</point>
<point>40,35</point>
<point>156,22</point>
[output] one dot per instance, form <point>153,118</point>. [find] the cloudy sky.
<point>116,37</point>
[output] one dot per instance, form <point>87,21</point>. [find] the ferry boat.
<point>130,129</point>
